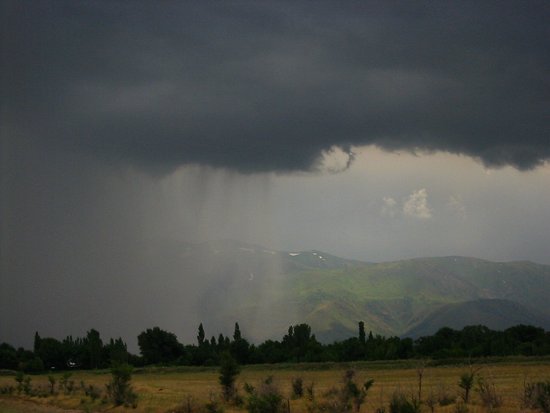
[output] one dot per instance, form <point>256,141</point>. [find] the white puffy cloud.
<point>416,205</point>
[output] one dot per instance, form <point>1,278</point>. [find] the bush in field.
<point>64,382</point>
<point>7,390</point>
<point>466,383</point>
<point>51,381</point>
<point>92,392</point>
<point>297,388</point>
<point>19,377</point>
<point>346,398</point>
<point>444,398</point>
<point>537,396</point>
<point>265,399</point>
<point>488,394</point>
<point>119,389</point>
<point>23,383</point>
<point>399,403</point>
<point>229,371</point>
<point>310,392</point>
<point>431,401</point>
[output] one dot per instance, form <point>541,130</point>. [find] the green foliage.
<point>466,383</point>
<point>26,385</point>
<point>117,350</point>
<point>200,335</point>
<point>94,348</point>
<point>7,390</point>
<point>51,352</point>
<point>229,370</point>
<point>92,392</point>
<point>51,381</point>
<point>265,399</point>
<point>300,344</point>
<point>159,346</point>
<point>19,377</point>
<point>119,389</point>
<point>64,382</point>
<point>237,333</point>
<point>35,365</point>
<point>346,398</point>
<point>240,349</point>
<point>362,337</point>
<point>8,357</point>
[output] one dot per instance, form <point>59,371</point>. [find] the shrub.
<point>265,399</point>
<point>212,407</point>
<point>64,381</point>
<point>310,392</point>
<point>444,398</point>
<point>537,396</point>
<point>51,380</point>
<point>19,377</point>
<point>7,390</point>
<point>488,394</point>
<point>466,383</point>
<point>346,398</point>
<point>399,403</point>
<point>119,389</point>
<point>431,401</point>
<point>92,392</point>
<point>27,388</point>
<point>297,388</point>
<point>229,371</point>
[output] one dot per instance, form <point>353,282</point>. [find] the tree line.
<point>161,347</point>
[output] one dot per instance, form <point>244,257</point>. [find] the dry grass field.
<point>162,390</point>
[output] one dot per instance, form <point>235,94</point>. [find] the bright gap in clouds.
<point>391,206</point>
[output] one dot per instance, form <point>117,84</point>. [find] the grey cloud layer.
<point>268,86</point>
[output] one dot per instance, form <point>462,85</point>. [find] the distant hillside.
<point>268,290</point>
<point>495,314</point>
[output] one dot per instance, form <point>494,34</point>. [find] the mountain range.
<point>266,291</point>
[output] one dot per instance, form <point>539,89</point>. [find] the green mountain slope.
<point>266,291</point>
<point>494,313</point>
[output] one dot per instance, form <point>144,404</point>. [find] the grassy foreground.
<point>162,390</point>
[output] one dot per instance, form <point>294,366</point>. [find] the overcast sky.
<point>371,130</point>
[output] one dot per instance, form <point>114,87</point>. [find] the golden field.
<point>163,389</point>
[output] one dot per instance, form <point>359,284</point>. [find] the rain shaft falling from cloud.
<point>123,252</point>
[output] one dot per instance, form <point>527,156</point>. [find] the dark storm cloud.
<point>267,86</point>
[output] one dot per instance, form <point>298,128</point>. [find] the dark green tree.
<point>8,357</point>
<point>159,346</point>
<point>362,338</point>
<point>117,351</point>
<point>52,353</point>
<point>36,345</point>
<point>229,371</point>
<point>237,333</point>
<point>299,342</point>
<point>200,335</point>
<point>94,347</point>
